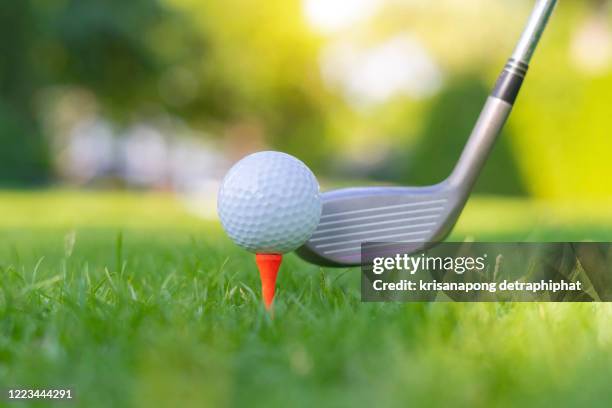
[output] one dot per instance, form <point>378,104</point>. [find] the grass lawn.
<point>132,301</point>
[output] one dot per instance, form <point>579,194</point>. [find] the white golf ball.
<point>269,202</point>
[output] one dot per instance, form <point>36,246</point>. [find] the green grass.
<point>131,301</point>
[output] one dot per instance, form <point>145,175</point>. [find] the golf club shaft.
<point>499,105</point>
<point>534,30</point>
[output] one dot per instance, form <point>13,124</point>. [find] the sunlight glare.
<point>333,15</point>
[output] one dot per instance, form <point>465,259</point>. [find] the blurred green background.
<point>126,294</point>
<point>166,94</point>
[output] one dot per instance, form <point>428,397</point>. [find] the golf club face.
<point>413,216</point>
<point>419,217</point>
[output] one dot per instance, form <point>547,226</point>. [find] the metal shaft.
<point>499,105</point>
<point>534,30</point>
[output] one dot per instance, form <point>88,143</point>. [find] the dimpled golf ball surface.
<point>269,202</point>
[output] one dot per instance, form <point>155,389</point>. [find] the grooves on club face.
<point>413,216</point>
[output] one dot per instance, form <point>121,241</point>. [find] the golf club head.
<point>413,216</point>
<point>419,217</point>
<point>416,217</point>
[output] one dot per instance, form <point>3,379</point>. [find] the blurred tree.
<point>446,130</point>
<point>102,45</point>
<point>23,150</point>
<point>262,63</point>
<point>105,46</point>
<point>249,71</point>
<point>216,65</point>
